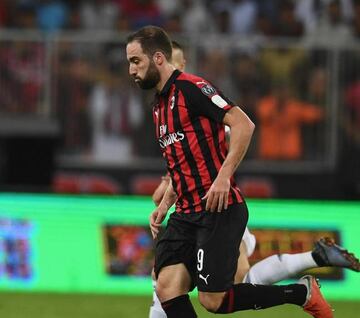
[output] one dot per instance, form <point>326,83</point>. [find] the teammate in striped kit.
<point>200,247</point>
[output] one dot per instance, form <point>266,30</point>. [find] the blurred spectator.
<point>214,66</point>
<point>73,80</point>
<point>26,18</point>
<point>98,14</point>
<point>222,21</point>
<point>287,24</point>
<point>242,16</point>
<point>356,21</point>
<point>310,12</point>
<point>264,25</point>
<point>280,118</point>
<point>52,15</point>
<point>7,8</point>
<point>282,63</point>
<point>22,75</point>
<point>268,8</point>
<point>350,155</point>
<point>234,16</point>
<point>333,27</point>
<point>352,101</point>
<point>173,24</point>
<point>249,83</point>
<point>123,23</point>
<point>196,18</point>
<point>316,93</point>
<point>74,21</point>
<point>116,111</point>
<point>141,12</point>
<point>169,8</point>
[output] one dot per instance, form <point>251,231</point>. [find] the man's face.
<point>141,68</point>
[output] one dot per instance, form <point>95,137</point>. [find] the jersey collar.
<point>169,82</point>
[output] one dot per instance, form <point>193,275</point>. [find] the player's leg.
<point>279,267</point>
<point>250,242</point>
<point>247,248</point>
<point>156,310</point>
<point>173,285</point>
<point>243,265</point>
<point>174,267</point>
<point>217,260</point>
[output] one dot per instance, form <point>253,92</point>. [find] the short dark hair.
<point>152,39</point>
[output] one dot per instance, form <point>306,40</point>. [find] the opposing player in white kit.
<point>273,268</point>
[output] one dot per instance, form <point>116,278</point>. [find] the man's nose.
<point>132,70</point>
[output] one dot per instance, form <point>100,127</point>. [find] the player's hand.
<point>217,198</point>
<point>156,218</point>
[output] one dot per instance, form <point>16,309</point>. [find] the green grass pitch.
<point>38,305</point>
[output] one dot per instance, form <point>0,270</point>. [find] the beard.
<point>151,78</point>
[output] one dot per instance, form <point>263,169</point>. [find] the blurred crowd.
<point>287,91</point>
<point>242,17</point>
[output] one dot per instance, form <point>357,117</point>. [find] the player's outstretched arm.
<point>158,216</point>
<point>241,130</point>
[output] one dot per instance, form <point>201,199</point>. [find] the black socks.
<point>241,297</point>
<point>179,307</point>
<point>251,296</point>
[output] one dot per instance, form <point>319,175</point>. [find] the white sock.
<point>279,267</point>
<point>156,310</point>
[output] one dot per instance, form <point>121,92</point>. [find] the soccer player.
<point>273,268</point>
<point>200,245</point>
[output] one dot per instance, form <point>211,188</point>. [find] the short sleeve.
<point>203,99</point>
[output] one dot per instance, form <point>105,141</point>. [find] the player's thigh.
<point>243,264</point>
<point>173,281</point>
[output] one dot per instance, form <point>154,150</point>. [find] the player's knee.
<point>210,301</point>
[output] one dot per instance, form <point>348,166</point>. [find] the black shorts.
<point>207,243</point>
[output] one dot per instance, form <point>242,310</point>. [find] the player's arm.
<point>160,190</point>
<point>205,100</point>
<point>159,214</point>
<point>241,130</point>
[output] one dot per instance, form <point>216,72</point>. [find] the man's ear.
<point>158,58</point>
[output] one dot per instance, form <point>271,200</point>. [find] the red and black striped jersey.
<point>188,115</point>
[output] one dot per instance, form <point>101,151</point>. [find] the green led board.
<point>62,239</point>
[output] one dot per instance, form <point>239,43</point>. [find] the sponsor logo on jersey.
<point>163,129</point>
<point>171,139</point>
